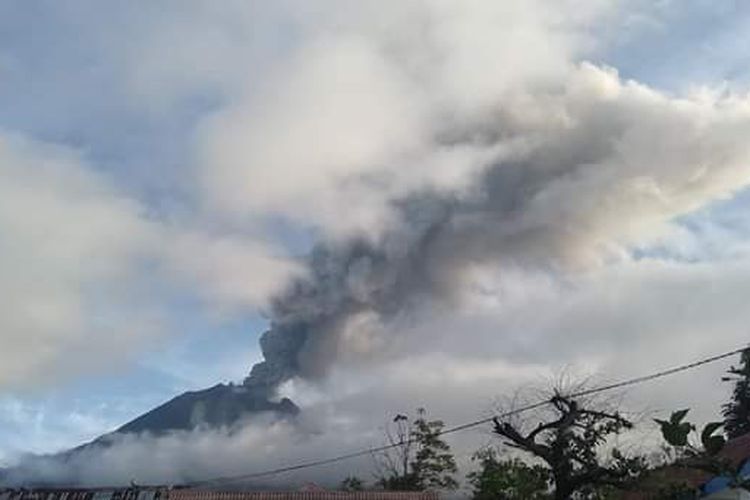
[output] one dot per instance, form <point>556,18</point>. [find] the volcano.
<point>222,405</point>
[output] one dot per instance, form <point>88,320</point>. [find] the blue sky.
<point>204,352</point>
<point>692,43</point>
<point>133,97</point>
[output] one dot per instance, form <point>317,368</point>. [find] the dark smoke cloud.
<point>344,281</point>
<point>603,165</point>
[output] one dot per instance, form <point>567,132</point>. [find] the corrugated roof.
<point>200,494</point>
<point>191,494</point>
<point>737,450</point>
<point>156,493</point>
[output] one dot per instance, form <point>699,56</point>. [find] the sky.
<point>501,192</point>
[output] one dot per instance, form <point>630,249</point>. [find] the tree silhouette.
<point>736,412</point>
<point>569,444</point>
<point>419,459</point>
<point>352,483</point>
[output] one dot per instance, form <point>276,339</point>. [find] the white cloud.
<point>367,113</point>
<point>332,116</point>
<point>69,242</point>
<point>230,272</point>
<point>365,110</point>
<point>79,261</point>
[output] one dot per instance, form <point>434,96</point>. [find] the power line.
<point>475,423</point>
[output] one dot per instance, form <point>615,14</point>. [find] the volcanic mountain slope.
<point>219,406</point>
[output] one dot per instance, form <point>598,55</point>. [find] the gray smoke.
<point>346,280</point>
<point>596,166</point>
<point>419,262</point>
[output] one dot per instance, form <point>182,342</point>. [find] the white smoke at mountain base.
<point>330,426</point>
<point>450,363</point>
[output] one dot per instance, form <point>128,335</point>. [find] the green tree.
<point>676,432</point>
<point>419,459</point>
<point>510,479</point>
<point>569,443</point>
<point>699,451</point>
<point>691,450</point>
<point>433,464</point>
<point>352,483</point>
<point>736,412</point>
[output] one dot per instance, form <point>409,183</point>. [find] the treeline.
<point>565,451</point>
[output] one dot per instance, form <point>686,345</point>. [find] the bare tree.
<point>393,464</point>
<point>569,441</point>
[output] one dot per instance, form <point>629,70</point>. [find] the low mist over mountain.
<point>219,406</point>
<point>223,408</point>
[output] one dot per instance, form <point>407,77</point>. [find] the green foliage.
<point>510,479</point>
<point>352,483</point>
<point>712,443</point>
<point>434,464</point>
<point>402,482</point>
<point>736,412</point>
<point>422,459</point>
<point>701,453</point>
<point>679,415</point>
<point>676,432</point>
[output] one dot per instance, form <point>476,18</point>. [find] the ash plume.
<point>576,176</point>
<point>359,277</point>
